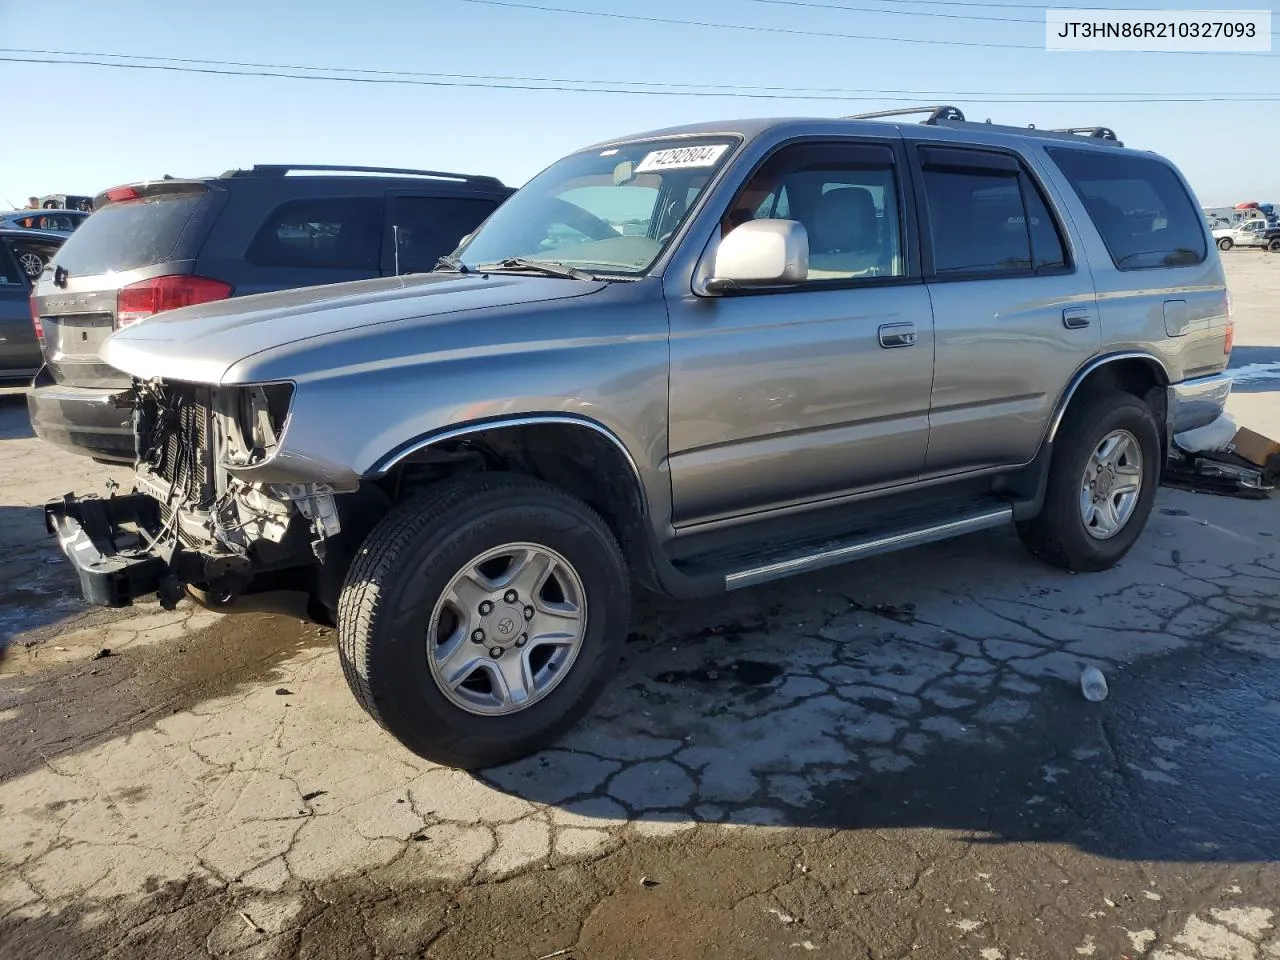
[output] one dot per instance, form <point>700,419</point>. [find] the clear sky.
<point>83,128</point>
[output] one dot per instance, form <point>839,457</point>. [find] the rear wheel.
<point>1273,245</point>
<point>480,624</point>
<point>1225,243</point>
<point>1102,483</point>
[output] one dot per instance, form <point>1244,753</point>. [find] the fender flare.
<point>1091,367</point>
<point>393,458</point>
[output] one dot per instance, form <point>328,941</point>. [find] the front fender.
<point>364,398</point>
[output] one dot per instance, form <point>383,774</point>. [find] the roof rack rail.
<point>1102,133</point>
<point>280,169</point>
<point>935,114</point>
<point>944,115</point>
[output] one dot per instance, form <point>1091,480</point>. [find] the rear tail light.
<point>35,321</point>
<point>1231,328</point>
<point>116,194</point>
<point>149,297</point>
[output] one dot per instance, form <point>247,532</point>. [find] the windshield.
<point>608,211</point>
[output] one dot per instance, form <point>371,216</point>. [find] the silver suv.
<point>698,360</point>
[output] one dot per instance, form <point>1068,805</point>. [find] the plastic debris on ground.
<point>1093,685</point>
<point>1225,459</point>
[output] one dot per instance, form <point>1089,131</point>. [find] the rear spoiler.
<point>147,190</point>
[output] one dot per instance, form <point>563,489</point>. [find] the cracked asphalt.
<point>887,760</point>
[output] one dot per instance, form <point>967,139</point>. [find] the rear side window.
<point>333,232</point>
<point>8,271</point>
<point>32,255</point>
<point>131,234</point>
<point>1139,206</point>
<point>987,217</point>
<point>428,228</point>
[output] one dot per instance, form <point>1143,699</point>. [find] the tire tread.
<point>361,604</point>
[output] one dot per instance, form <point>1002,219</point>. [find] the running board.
<point>855,547</point>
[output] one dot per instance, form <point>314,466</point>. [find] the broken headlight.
<point>253,419</point>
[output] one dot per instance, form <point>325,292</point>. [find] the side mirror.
<point>760,253</point>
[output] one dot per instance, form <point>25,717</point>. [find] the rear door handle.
<point>898,335</point>
<point>1075,318</point>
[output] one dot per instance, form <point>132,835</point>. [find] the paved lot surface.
<point>886,760</point>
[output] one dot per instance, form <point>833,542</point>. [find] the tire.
<point>1059,535</point>
<point>399,586</point>
<point>1225,243</point>
<point>1273,245</point>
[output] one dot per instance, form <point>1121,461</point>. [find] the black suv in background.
<point>170,243</point>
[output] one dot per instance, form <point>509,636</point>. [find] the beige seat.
<point>844,236</point>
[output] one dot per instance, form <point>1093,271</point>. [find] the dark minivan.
<point>170,243</point>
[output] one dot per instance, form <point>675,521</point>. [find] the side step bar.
<point>836,552</point>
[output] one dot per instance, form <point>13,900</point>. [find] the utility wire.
<point>565,88</point>
<point>664,86</point>
<point>826,34</point>
<point>839,7</point>
<point>896,13</point>
<point>1016,5</point>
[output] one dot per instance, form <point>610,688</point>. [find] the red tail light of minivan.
<point>1231,327</point>
<point>35,321</point>
<point>149,297</point>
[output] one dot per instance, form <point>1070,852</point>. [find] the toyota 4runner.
<point>698,360</point>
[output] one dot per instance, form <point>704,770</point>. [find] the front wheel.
<point>478,625</point>
<point>1102,483</point>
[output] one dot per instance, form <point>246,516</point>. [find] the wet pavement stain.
<point>752,673</point>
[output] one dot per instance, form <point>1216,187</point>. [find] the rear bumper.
<point>83,420</point>
<point>111,573</point>
<point>1195,403</point>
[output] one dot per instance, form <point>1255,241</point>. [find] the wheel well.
<point>1135,375</point>
<point>1132,375</point>
<point>577,459</point>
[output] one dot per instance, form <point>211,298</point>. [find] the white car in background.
<point>1257,232</point>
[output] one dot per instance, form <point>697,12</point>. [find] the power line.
<point>565,88</point>
<point>895,13</point>
<point>971,4</point>
<point>826,34</point>
<point>814,5</point>
<point>1015,5</point>
<point>666,86</point>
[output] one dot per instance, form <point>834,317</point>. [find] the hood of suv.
<point>200,344</point>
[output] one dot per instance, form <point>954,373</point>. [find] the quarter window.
<point>1140,207</point>
<point>847,198</point>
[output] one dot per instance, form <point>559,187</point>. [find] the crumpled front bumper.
<point>118,552</point>
<point>115,566</point>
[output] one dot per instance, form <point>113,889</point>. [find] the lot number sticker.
<point>682,158</point>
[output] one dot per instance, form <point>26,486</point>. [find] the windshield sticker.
<point>682,158</point>
<point>608,153</point>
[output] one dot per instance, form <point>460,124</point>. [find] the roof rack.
<point>935,114</point>
<point>1102,133</point>
<point>952,117</point>
<point>280,169</point>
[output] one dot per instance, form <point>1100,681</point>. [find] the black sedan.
<point>23,256</point>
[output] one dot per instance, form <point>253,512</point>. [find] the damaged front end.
<point>191,520</point>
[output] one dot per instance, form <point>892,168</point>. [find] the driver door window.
<point>847,198</point>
